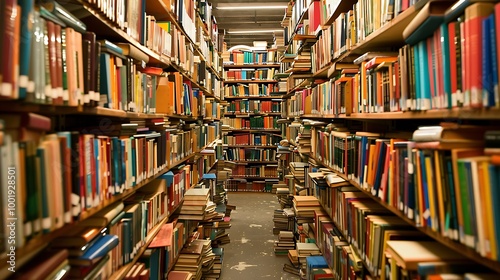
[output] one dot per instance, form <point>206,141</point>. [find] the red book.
<point>7,47</point>
<point>474,16</point>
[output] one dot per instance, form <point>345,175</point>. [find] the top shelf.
<point>250,65</point>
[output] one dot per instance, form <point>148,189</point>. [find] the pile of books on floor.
<point>304,207</point>
<point>284,197</point>
<point>293,256</point>
<point>207,258</point>
<point>286,241</point>
<point>278,185</point>
<point>283,220</point>
<point>305,250</point>
<point>190,258</point>
<point>195,203</point>
<point>216,269</point>
<point>298,170</point>
<point>317,268</point>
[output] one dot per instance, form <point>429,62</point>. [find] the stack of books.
<point>207,257</point>
<point>305,250</point>
<point>283,220</point>
<point>190,259</point>
<point>216,269</point>
<point>278,185</point>
<point>316,266</point>
<point>284,197</point>
<point>180,275</point>
<point>304,207</point>
<point>286,241</point>
<point>293,256</point>
<point>194,205</point>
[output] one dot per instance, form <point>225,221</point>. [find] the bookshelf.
<point>143,102</point>
<point>250,131</point>
<point>386,104</point>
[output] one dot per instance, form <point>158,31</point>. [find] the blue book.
<point>423,83</point>
<point>104,80</point>
<point>364,143</point>
<point>40,153</point>
<point>114,167</point>
<point>122,161</point>
<point>493,60</point>
<point>127,240</point>
<point>487,79</point>
<point>134,162</point>
<point>25,45</point>
<point>494,172</point>
<point>380,168</point>
<point>101,247</point>
<point>445,47</point>
<point>97,147</point>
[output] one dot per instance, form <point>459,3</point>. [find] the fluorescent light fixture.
<point>252,31</point>
<point>250,6</point>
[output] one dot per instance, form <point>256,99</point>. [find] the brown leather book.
<point>43,265</point>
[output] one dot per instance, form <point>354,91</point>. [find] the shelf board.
<point>250,81</point>
<point>245,177</point>
<point>455,113</point>
<point>263,130</point>
<point>458,247</point>
<point>251,65</point>
<point>252,97</point>
<point>323,72</point>
<point>252,146</point>
<point>106,28</point>
<point>242,115</point>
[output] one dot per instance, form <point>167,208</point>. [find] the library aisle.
<point>250,254</point>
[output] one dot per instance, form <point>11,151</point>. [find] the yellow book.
<point>489,217</point>
<point>369,171</point>
<point>430,192</point>
<point>440,192</point>
<point>420,206</point>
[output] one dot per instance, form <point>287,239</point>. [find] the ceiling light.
<point>252,31</point>
<point>268,6</point>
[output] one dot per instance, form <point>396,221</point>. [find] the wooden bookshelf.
<point>242,115</point>
<point>263,130</point>
<point>251,65</point>
<point>262,97</point>
<point>106,28</point>
<point>458,247</point>
<point>252,146</point>
<point>250,81</point>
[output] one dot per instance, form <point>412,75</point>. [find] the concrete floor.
<point>250,253</point>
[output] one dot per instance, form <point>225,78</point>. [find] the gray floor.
<point>250,254</point>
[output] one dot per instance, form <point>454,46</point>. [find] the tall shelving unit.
<point>251,133</point>
<point>333,94</point>
<point>169,41</point>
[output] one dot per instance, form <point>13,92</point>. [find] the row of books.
<point>241,185</point>
<point>254,122</point>
<point>250,57</point>
<point>249,74</point>
<point>423,175</point>
<point>340,237</point>
<point>254,106</point>
<point>48,76</point>
<point>252,139</point>
<point>250,154</point>
<point>212,109</point>
<point>249,171</point>
<point>92,166</point>
<point>247,90</point>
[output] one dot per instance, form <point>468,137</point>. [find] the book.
<point>409,254</point>
<point>426,21</point>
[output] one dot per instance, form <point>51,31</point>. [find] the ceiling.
<point>256,23</point>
